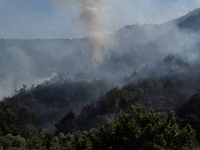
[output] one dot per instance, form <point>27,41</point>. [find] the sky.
<point>49,19</point>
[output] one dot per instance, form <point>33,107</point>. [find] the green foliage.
<point>65,141</point>
<point>102,120</point>
<point>48,139</point>
<point>137,129</point>
<point>194,104</point>
<point>142,130</point>
<point>188,112</point>
<point>194,121</point>
<point>46,103</point>
<point>150,84</point>
<point>7,119</point>
<point>81,141</point>
<point>108,105</point>
<point>36,106</point>
<point>12,142</point>
<point>127,97</point>
<point>87,118</point>
<point>169,84</point>
<point>34,139</point>
<point>157,101</point>
<point>66,123</point>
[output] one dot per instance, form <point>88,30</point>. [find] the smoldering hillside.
<point>131,54</point>
<point>124,51</point>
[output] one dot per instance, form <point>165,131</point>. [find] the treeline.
<point>66,106</point>
<point>45,104</point>
<point>137,129</point>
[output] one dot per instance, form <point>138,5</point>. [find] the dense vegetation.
<point>127,99</point>
<point>50,104</point>
<point>78,120</point>
<point>137,129</point>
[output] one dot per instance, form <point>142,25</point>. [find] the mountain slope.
<point>190,21</point>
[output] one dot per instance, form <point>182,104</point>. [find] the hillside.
<point>190,21</point>
<point>58,84</point>
<point>131,48</point>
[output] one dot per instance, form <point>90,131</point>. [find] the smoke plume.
<point>93,18</point>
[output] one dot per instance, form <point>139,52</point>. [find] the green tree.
<point>7,119</point>
<point>143,130</point>
<point>150,84</point>
<point>48,139</point>
<point>12,142</point>
<point>81,141</point>
<point>189,113</point>
<point>34,139</point>
<point>66,124</point>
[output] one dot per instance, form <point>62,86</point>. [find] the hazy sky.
<point>47,19</point>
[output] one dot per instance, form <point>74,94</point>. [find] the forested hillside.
<point>69,107</point>
<point>70,94</point>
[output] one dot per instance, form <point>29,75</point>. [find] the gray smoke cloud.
<point>94,19</point>
<point>131,48</point>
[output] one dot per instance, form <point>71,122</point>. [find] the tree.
<point>189,113</point>
<point>66,124</point>
<point>142,130</point>
<point>7,119</point>
<point>12,142</point>
<point>150,84</point>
